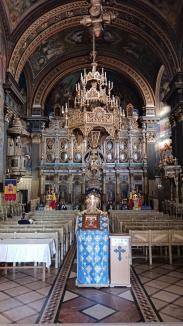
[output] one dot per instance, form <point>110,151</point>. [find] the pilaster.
<point>150,132</point>
<point>175,99</point>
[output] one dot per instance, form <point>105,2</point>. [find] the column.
<point>175,99</point>
<point>117,190</point>
<point>150,164</point>
<point>117,151</point>
<point>83,188</point>
<point>84,148</point>
<point>36,159</point>
<point>70,186</point>
<point>104,190</point>
<point>42,181</point>
<point>2,130</point>
<point>72,148</point>
<point>151,131</point>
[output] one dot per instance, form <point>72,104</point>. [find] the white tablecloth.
<point>27,250</point>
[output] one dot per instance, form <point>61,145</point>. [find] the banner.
<point>10,189</point>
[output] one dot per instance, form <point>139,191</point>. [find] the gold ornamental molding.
<point>62,17</point>
<point>69,15</point>
<point>60,71</point>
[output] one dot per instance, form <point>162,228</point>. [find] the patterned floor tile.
<point>7,285</point>
<point>165,296</point>
<point>76,304</point>
<point>14,292</point>
<point>28,320</point>
<point>158,303</point>
<point>69,296</point>
<point>150,290</point>
<point>3,296</point>
<point>126,295</point>
<point>9,304</point>
<point>19,313</point>
<point>157,290</point>
<point>157,284</point>
<point>179,302</point>
<point>66,317</point>
<point>167,279</point>
<point>4,320</point>
<point>44,290</point>
<point>169,319</point>
<point>98,311</point>
<point>175,289</point>
<point>29,297</point>
<point>173,311</point>
<point>37,305</point>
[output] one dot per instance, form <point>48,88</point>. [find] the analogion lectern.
<point>92,247</point>
<point>120,260</point>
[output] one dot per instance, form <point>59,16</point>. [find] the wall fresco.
<point>17,8</point>
<point>123,45</point>
<point>168,8</point>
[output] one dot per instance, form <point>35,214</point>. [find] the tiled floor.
<point>164,285</point>
<point>23,294</point>
<point>90,305</point>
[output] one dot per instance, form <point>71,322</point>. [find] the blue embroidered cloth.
<point>93,255</point>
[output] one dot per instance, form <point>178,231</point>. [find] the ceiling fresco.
<point>17,8</point>
<point>64,91</point>
<point>114,43</point>
<point>170,9</point>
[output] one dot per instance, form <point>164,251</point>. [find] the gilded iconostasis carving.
<point>48,47</point>
<point>64,91</point>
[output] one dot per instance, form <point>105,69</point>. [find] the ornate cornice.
<point>75,64</point>
<point>69,15</point>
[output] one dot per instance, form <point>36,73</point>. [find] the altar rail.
<point>159,238</point>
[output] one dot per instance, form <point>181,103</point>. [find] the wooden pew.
<point>157,238</point>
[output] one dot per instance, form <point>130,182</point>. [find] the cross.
<point>120,251</point>
<point>97,17</point>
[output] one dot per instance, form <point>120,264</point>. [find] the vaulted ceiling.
<point>45,38</point>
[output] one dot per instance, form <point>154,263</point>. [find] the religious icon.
<point>91,222</point>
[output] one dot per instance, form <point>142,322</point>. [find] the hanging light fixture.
<point>94,89</point>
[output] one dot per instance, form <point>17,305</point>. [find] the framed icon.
<point>91,222</point>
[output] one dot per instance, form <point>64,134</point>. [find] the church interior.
<point>91,160</point>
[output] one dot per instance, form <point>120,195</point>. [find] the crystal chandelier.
<point>94,89</point>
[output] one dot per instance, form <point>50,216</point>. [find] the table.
<point>27,250</point>
<point>93,255</point>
